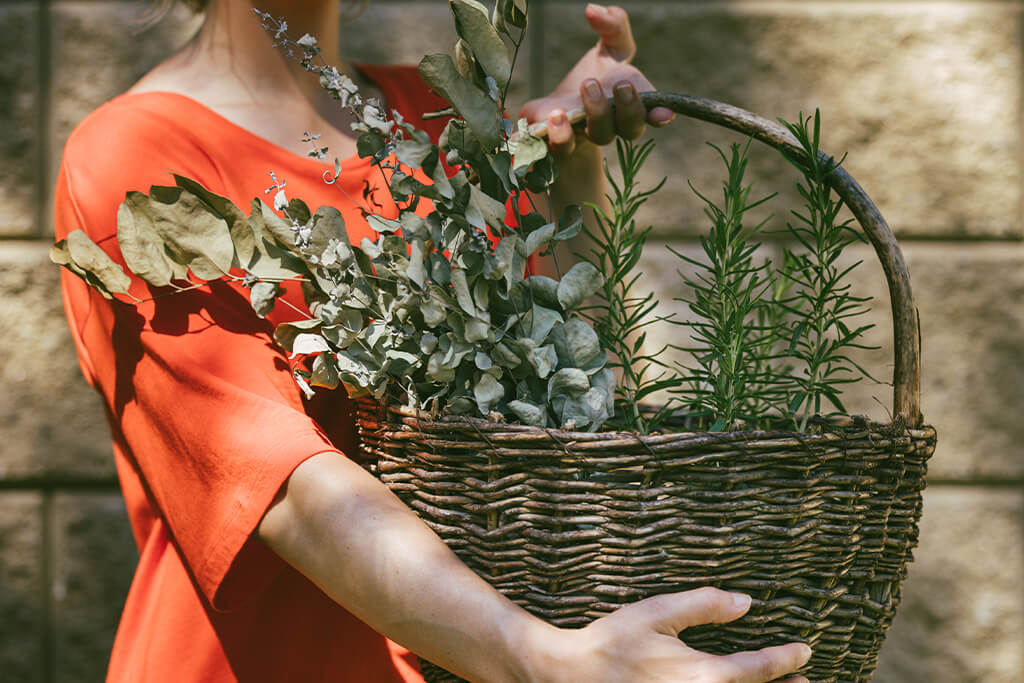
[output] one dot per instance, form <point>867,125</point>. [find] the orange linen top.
<point>207,423</point>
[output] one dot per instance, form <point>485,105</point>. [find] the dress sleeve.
<point>199,400</point>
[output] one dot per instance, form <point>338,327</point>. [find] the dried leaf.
<point>479,111</point>
<point>305,343</point>
<point>141,247</point>
<point>529,413</point>
<point>85,254</point>
<point>262,296</point>
<point>488,392</point>
<point>473,25</point>
<point>582,280</point>
<point>577,344</point>
<point>526,149</point>
<point>568,382</point>
<point>413,152</point>
<point>462,294</point>
<point>325,371</point>
<point>238,225</point>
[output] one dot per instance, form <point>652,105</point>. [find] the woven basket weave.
<point>818,528</point>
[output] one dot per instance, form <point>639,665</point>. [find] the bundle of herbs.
<point>440,310</point>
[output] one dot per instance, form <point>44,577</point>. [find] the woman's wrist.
<point>537,651</point>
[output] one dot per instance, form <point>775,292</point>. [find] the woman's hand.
<point>640,642</point>
<point>604,71</point>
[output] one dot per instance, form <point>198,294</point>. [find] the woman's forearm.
<point>365,549</point>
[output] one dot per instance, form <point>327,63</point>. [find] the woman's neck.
<point>233,67</point>
<point>237,51</point>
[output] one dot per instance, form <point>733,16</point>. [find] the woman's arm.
<point>364,548</point>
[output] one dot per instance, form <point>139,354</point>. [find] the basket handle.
<point>906,324</point>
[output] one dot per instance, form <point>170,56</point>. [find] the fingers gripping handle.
<point>907,370</point>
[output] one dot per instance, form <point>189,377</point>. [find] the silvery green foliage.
<point>438,307</point>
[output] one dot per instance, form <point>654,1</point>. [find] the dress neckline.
<point>225,121</point>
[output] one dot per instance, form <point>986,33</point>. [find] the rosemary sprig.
<point>732,380</point>
<point>620,316</point>
<point>820,331</point>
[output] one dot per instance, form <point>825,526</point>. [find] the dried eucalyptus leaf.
<point>433,312</point>
<point>473,24</point>
<point>526,149</point>
<point>370,144</point>
<point>493,211</point>
<point>298,211</point>
<point>401,362</point>
<point>577,344</point>
<point>238,225</point>
<point>415,271</point>
<point>428,343</point>
<point>582,280</point>
<point>88,256</point>
<point>462,294</point>
<point>262,296</point>
<point>544,290</point>
<point>285,333</point>
<point>464,59</point>
<point>483,361</point>
<point>479,111</point>
<point>383,225</point>
<point>529,413</point>
<point>413,152</point>
<point>477,330</point>
<point>327,232</point>
<point>325,371</point>
<point>539,238</point>
<point>569,382</point>
<point>141,247</point>
<point>538,322</point>
<point>414,228</point>
<point>570,222</point>
<point>605,379</point>
<point>442,183</point>
<point>462,405</point>
<point>269,225</point>
<point>306,343</point>
<point>488,392</point>
<point>544,359</point>
<point>438,370</point>
<point>509,13</point>
<point>505,357</point>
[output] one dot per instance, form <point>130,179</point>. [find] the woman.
<point>265,553</point>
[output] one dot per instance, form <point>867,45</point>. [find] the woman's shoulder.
<point>129,143</point>
<point>133,126</point>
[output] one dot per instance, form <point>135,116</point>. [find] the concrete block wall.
<point>924,96</point>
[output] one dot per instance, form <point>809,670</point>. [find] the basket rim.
<point>409,421</point>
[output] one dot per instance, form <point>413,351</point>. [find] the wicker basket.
<point>818,528</point>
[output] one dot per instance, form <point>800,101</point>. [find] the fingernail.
<point>558,117</point>
<point>661,123</point>
<point>592,89</point>
<point>807,653</point>
<point>741,601</point>
<point>624,92</point>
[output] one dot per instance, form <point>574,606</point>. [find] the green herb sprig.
<point>621,316</point>
<point>731,380</point>
<point>820,330</point>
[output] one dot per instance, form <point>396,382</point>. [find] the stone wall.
<point>924,96</point>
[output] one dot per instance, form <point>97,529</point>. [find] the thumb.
<point>612,24</point>
<point>675,612</point>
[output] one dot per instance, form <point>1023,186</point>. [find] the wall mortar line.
<point>43,141</point>
<point>49,573</point>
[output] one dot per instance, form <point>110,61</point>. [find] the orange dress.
<point>206,421</point>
